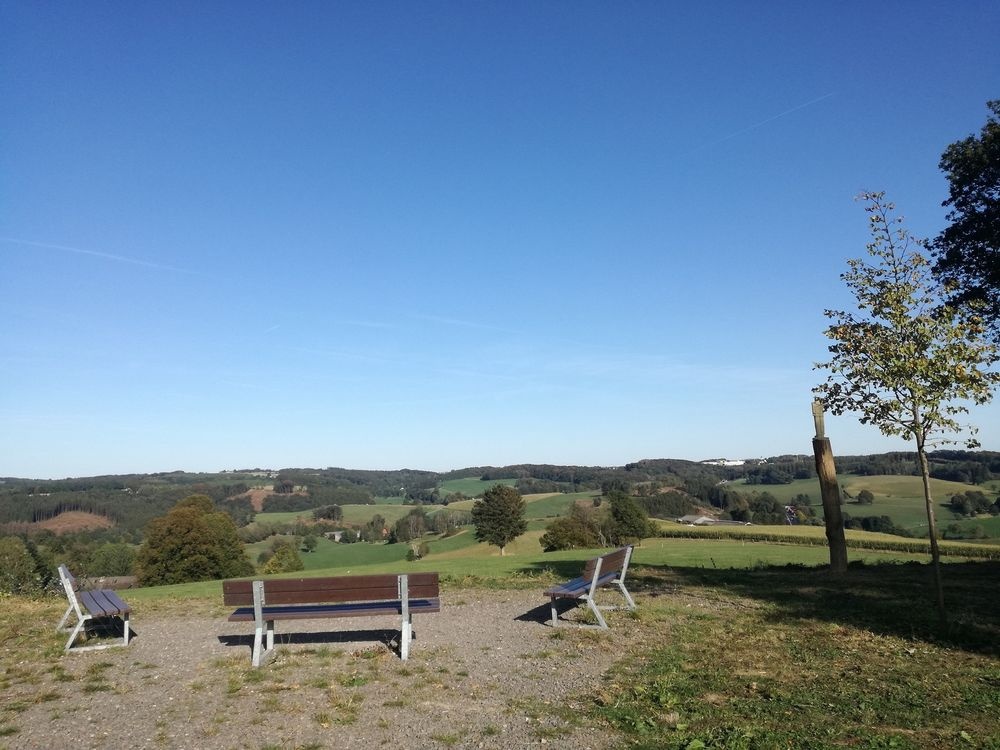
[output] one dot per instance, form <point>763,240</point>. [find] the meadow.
<point>899,497</point>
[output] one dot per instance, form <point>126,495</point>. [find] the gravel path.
<point>485,672</point>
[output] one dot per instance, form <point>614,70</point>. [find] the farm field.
<point>899,497</point>
<point>471,486</point>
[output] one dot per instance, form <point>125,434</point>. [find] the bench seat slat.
<point>100,604</point>
<point>579,586</point>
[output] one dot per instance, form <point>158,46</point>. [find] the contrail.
<point>762,123</point>
<point>96,254</point>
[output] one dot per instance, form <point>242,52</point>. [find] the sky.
<point>436,235</point>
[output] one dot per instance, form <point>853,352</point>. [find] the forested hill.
<point>130,501</point>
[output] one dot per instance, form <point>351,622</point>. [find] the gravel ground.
<point>485,672</point>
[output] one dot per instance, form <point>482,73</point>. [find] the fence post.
<point>830,492</point>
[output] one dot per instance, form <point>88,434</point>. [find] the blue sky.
<point>440,234</point>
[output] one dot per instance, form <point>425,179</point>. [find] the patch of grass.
<point>449,739</point>
<point>784,657</point>
<point>346,706</point>
<point>354,679</point>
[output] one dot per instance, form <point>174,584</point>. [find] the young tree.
<point>968,251</point>
<point>905,362</point>
<point>285,559</point>
<point>627,522</point>
<point>499,516</point>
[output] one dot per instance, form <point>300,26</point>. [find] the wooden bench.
<point>264,602</point>
<point>90,607</point>
<point>606,570</point>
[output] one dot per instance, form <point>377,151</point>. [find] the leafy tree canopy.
<point>192,542</point>
<point>906,362</point>
<point>968,250</point>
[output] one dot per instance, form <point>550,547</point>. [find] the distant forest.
<point>131,501</point>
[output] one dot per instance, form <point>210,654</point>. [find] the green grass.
<point>552,506</point>
<point>330,555</point>
<point>899,497</point>
<point>354,515</point>
<point>785,657</point>
<point>471,486</point>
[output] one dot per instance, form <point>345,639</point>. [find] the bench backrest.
<point>367,588</point>
<point>612,562</point>
<point>69,586</point>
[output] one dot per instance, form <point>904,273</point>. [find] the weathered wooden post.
<point>830,492</point>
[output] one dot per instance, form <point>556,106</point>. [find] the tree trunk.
<point>925,475</point>
<point>832,516</point>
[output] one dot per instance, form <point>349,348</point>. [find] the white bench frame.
<point>97,605</point>
<point>583,591</point>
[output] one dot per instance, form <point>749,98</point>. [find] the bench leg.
<point>263,642</point>
<point>628,597</point>
<point>405,636</point>
<point>597,613</point>
<point>555,613</point>
<point>61,627</point>
<point>73,635</point>
<point>125,636</point>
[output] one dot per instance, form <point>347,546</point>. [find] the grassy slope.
<point>471,486</point>
<point>899,497</point>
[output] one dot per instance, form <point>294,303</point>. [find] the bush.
<point>580,529</point>
<point>18,572</point>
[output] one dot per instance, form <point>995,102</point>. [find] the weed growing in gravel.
<point>353,679</point>
<point>347,707</point>
<point>59,673</point>
<point>448,740</point>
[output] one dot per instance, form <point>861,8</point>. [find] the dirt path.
<point>483,673</point>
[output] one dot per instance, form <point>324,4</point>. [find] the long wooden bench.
<point>265,601</point>
<point>607,570</point>
<point>90,607</point>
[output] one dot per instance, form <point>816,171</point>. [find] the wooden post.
<point>830,492</point>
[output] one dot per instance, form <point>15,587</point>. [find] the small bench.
<point>606,570</point>
<point>264,602</point>
<point>91,606</point>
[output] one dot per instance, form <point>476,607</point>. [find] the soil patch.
<point>74,520</point>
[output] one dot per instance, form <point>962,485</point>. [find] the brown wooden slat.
<point>331,589</point>
<point>97,603</point>
<point>116,601</point>
<point>613,561</point>
<point>363,609</point>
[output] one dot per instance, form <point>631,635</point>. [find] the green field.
<point>354,515</point>
<point>471,486</point>
<point>899,497</point>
